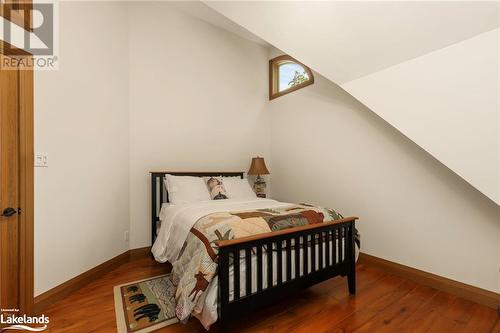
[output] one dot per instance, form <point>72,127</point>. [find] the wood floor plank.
<point>311,301</point>
<point>362,312</point>
<point>390,318</point>
<point>496,328</point>
<point>384,303</point>
<point>333,308</point>
<point>455,317</point>
<point>425,316</point>
<point>482,320</point>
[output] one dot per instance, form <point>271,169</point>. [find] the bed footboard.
<point>268,266</point>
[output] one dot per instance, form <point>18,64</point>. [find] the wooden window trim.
<point>274,76</point>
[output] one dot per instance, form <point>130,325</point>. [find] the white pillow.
<point>238,188</point>
<point>186,189</point>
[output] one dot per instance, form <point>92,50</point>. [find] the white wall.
<point>81,121</point>
<point>198,101</point>
<point>447,102</point>
<point>329,149</point>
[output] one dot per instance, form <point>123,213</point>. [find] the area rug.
<point>146,305</point>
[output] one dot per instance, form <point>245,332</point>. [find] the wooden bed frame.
<point>329,251</point>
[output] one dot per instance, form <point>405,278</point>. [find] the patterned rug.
<point>145,306</point>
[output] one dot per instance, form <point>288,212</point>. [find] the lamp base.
<point>259,187</point>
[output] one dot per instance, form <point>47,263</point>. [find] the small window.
<point>286,75</point>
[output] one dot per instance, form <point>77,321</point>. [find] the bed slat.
<point>269,252</point>
<point>288,259</point>
<point>327,248</point>
<point>305,254</point>
<point>320,250</point>
<point>248,270</point>
<point>335,248</point>
<point>313,252</point>
<point>236,267</point>
<point>340,245</point>
<point>297,256</point>
<point>279,263</point>
<point>259,268</point>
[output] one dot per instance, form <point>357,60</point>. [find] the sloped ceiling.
<point>428,68</point>
<point>199,10</point>
<point>349,40</point>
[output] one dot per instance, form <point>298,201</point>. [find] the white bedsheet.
<point>177,221</point>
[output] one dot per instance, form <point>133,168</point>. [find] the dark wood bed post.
<point>223,290</point>
<point>351,275</point>
<point>154,207</point>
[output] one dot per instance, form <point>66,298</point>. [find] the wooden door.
<point>9,188</point>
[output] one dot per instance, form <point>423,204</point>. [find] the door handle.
<point>8,212</point>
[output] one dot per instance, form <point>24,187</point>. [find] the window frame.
<point>274,65</point>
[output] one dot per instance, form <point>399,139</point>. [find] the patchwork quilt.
<point>196,265</point>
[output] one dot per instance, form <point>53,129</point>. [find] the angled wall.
<point>430,69</point>
<point>447,102</point>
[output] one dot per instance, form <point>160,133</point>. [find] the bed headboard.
<point>159,193</point>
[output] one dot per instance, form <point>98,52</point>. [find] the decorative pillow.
<point>186,189</point>
<point>216,189</point>
<point>238,188</point>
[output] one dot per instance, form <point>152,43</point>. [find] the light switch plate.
<point>41,160</point>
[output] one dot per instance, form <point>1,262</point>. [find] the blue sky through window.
<point>286,74</point>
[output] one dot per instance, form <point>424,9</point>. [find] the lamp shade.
<point>258,167</point>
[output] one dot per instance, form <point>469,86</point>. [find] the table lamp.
<point>257,168</point>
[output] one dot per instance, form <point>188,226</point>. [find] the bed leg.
<point>223,289</point>
<point>351,274</point>
<point>351,282</point>
<point>223,327</point>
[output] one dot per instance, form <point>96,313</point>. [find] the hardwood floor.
<point>384,303</point>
